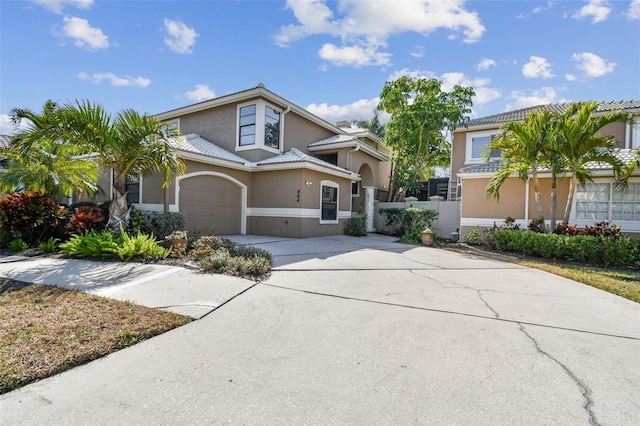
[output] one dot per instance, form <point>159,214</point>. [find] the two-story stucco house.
<point>596,201</point>
<point>259,164</point>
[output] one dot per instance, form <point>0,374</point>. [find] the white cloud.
<point>368,24</point>
<point>353,55</point>
<point>202,92</point>
<point>180,38</point>
<point>83,34</point>
<point>484,93</point>
<point>485,64</point>
<point>99,77</point>
<point>543,96</point>
<point>417,52</point>
<point>598,10</point>
<point>57,6</point>
<point>634,10</point>
<point>570,77</point>
<point>411,73</point>
<point>539,9</point>
<point>7,126</point>
<point>593,65</point>
<point>537,67</point>
<point>358,110</point>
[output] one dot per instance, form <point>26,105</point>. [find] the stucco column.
<point>368,206</point>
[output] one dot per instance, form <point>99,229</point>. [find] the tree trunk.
<point>119,213</point>
<point>554,199</point>
<point>536,192</point>
<point>572,190</point>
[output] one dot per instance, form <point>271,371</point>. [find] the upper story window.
<point>476,143</point>
<point>271,127</point>
<point>259,126</point>
<point>247,125</point>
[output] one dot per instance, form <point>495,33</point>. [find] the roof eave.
<point>351,144</point>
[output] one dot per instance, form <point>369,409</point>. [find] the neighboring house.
<point>596,201</point>
<point>259,164</point>
<point>5,143</point>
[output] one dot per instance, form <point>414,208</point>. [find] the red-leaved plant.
<point>85,218</point>
<point>32,216</point>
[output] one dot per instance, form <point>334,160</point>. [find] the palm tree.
<point>579,144</point>
<point>524,147</point>
<point>39,161</point>
<point>130,144</point>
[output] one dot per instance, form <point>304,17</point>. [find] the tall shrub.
<point>32,216</point>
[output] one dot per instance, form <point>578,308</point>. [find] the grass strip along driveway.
<point>45,330</point>
<point>622,282</point>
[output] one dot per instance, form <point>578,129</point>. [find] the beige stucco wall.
<point>617,130</point>
<point>218,125</point>
<point>545,193</point>
<point>476,204</point>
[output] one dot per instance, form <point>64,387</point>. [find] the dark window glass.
<point>133,191</point>
<point>248,125</point>
<point>354,188</point>
<point>271,127</point>
<point>329,203</point>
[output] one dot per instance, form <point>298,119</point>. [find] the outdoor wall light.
<point>308,183</point>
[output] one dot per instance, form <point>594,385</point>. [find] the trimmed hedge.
<point>597,251</point>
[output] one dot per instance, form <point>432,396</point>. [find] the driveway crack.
<point>584,389</point>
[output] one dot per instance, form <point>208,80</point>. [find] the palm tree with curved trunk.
<point>40,161</point>
<point>579,144</point>
<point>524,148</point>
<point>130,144</point>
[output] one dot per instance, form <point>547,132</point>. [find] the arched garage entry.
<point>212,201</point>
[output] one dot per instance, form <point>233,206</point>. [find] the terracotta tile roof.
<point>521,114</point>
<point>198,145</point>
<point>624,155</point>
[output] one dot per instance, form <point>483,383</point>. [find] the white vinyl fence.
<point>447,225</point>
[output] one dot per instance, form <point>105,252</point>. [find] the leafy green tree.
<point>374,125</point>
<point>422,117</point>
<point>524,147</point>
<point>39,161</point>
<point>579,143</point>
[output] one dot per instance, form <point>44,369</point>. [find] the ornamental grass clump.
<point>229,259</point>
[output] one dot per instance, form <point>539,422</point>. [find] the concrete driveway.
<point>369,331</point>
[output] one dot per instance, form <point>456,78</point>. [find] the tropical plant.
<point>49,246</point>
<point>85,218</point>
<point>421,116</point>
<point>130,144</point>
<point>39,160</point>
<point>18,244</point>
<point>524,148</point>
<point>31,216</point>
<point>579,143</point>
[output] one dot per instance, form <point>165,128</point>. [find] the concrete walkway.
<point>366,331</point>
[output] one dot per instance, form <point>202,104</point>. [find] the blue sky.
<point>331,57</point>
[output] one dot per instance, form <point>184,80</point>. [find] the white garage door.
<point>211,203</point>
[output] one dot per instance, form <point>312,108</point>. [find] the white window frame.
<point>330,184</point>
<point>470,136</point>
<point>625,225</point>
<point>260,127</point>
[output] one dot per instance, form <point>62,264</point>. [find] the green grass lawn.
<point>622,282</point>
